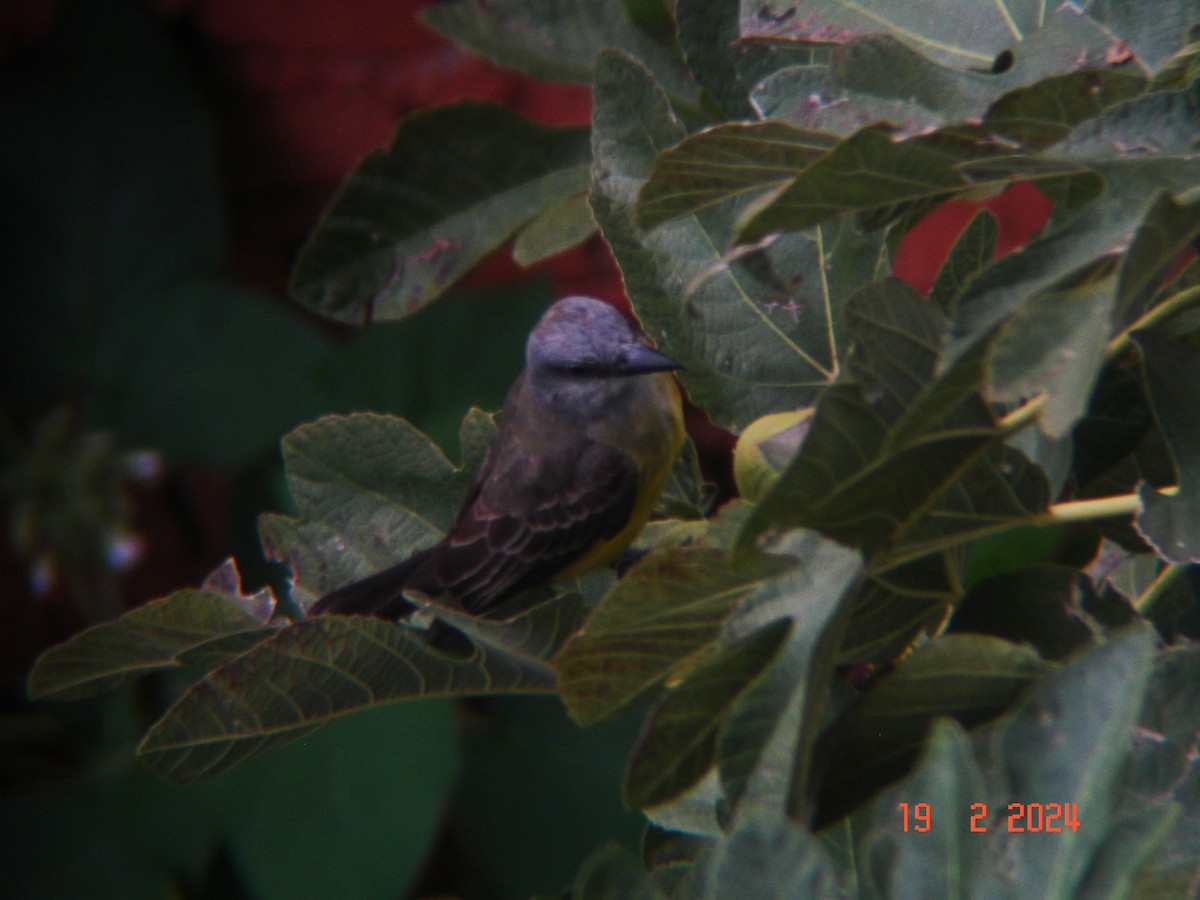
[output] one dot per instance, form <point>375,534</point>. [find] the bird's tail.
<point>381,594</point>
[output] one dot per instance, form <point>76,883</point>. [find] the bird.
<point>584,444</point>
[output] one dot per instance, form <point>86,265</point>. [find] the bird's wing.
<point>529,518</point>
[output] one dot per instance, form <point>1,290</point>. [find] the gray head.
<point>583,354</point>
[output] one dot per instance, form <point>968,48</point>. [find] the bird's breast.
<point>647,424</point>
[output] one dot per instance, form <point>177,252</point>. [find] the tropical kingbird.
<point>583,446</point>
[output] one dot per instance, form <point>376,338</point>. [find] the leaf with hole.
<point>456,183</point>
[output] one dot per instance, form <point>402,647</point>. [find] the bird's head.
<point>583,354</point>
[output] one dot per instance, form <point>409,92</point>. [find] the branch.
<point>1098,508</point>
<point>1150,598</point>
<point>1022,417</point>
<point>1181,302</point>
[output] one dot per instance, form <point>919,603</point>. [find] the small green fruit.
<point>765,448</point>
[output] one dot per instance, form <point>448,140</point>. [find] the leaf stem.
<point>1088,510</point>
<point>1181,302</point>
<point>1097,508</point>
<point>1056,514</point>
<point>827,303</point>
<point>1152,596</point>
<point>1023,416</point>
<point>1008,20</point>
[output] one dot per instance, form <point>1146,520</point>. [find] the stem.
<point>1023,416</point>
<point>1157,589</point>
<point>1027,414</point>
<point>1182,301</point>
<point>1087,510</point>
<point>1077,510</point>
<point>1055,514</point>
<point>1099,508</point>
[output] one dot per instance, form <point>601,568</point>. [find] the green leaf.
<point>1163,772</point>
<point>889,438</point>
<point>370,490</point>
<point>539,630</point>
<point>886,73</point>
<point>557,40</point>
<point>725,67</point>
<point>1001,288</point>
<point>1117,421</point>
<point>1129,844</point>
<point>880,67</point>
<point>973,678</point>
<point>1180,70</point>
<point>1152,31</point>
<point>1167,231</point>
<point>1067,744</point>
<point>754,338</point>
<point>972,251</point>
<point>670,607</point>
<point>765,856</point>
<point>1125,148</point>
<point>1041,39</point>
<point>678,743</point>
<point>726,162</point>
<point>1061,257</point>
<point>882,178</point>
<point>1055,345</point>
<point>187,628</point>
<point>892,609</point>
<point>958,36</point>
<point>371,462</point>
<point>874,78</point>
<point>766,748</point>
<point>313,672</point>
<point>671,860</point>
<point>868,171</point>
<point>946,858</point>
<point>456,183</point>
<point>699,813</point>
<point>997,491</point>
<point>1171,523</point>
<point>563,225</point>
<point>1044,113</point>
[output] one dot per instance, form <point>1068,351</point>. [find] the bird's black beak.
<point>641,359</point>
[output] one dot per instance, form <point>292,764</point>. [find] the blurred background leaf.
<point>455,184</point>
<point>339,813</point>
